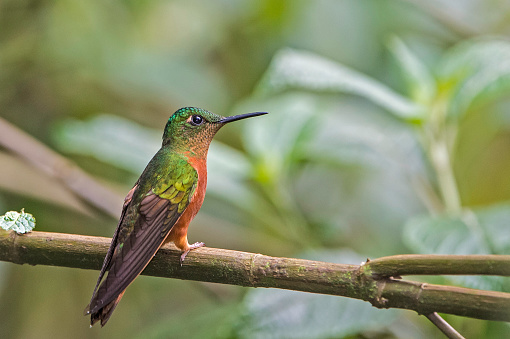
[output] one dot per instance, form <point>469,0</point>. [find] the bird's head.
<point>191,129</point>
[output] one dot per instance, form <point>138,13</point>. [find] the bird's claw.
<point>191,247</point>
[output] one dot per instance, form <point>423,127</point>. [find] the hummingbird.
<point>160,206</point>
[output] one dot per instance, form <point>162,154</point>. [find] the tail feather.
<point>104,313</point>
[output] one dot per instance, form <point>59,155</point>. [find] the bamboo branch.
<point>363,282</point>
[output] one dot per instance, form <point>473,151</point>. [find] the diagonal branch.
<point>446,328</point>
<point>55,165</point>
<point>256,270</point>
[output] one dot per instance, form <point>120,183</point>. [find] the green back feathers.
<point>179,186</point>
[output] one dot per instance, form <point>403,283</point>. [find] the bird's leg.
<point>190,247</point>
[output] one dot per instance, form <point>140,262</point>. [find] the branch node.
<point>252,277</point>
<point>16,258</point>
<point>420,290</point>
<point>378,300</point>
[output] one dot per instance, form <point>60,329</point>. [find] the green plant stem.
<point>422,264</point>
<point>255,270</point>
<point>439,136</point>
<point>446,179</point>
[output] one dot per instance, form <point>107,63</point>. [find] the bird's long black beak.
<point>240,117</point>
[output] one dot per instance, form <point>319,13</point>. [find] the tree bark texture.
<point>376,281</point>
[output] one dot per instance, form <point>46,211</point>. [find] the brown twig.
<point>446,328</point>
<point>257,270</point>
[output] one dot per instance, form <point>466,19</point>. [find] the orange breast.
<point>178,234</point>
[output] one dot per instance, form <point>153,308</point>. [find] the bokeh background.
<point>388,133</point>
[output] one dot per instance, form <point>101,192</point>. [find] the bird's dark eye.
<point>197,120</point>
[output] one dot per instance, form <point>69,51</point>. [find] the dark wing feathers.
<point>109,254</point>
<point>148,216</point>
<point>142,243</point>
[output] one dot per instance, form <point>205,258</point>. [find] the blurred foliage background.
<point>388,133</point>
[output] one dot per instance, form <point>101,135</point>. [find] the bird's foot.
<point>191,247</point>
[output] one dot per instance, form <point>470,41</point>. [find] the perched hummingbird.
<point>160,206</point>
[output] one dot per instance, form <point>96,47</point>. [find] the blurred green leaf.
<point>494,221</point>
<point>228,174</point>
<point>275,139</point>
<point>484,231</point>
<point>371,140</point>
<point>19,222</point>
<point>421,83</point>
<point>111,139</point>
<point>475,69</point>
<point>296,69</point>
<point>306,127</point>
<point>121,49</point>
<point>443,235</point>
<point>291,314</point>
<point>272,313</point>
<point>216,321</point>
<point>320,163</point>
